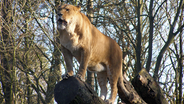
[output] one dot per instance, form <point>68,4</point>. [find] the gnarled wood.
<point>148,88</point>
<point>144,90</point>
<point>74,91</point>
<point>133,97</point>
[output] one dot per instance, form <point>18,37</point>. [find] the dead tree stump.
<point>133,97</point>
<point>143,90</point>
<point>148,89</point>
<point>74,91</point>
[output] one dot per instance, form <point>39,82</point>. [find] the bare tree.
<point>149,33</point>
<point>90,75</point>
<point>7,48</point>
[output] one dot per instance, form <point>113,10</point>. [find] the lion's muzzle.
<point>61,23</point>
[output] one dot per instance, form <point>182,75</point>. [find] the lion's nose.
<point>59,14</point>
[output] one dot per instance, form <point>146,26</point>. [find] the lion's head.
<point>65,16</point>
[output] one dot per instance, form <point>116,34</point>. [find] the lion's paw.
<point>108,101</point>
<point>80,77</point>
<point>65,76</point>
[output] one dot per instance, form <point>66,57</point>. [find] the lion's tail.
<point>122,90</point>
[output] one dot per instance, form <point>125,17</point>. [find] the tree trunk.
<point>151,21</point>
<point>6,60</point>
<point>133,97</point>
<point>148,88</point>
<point>180,62</point>
<point>74,91</point>
<point>90,75</point>
<point>139,36</point>
<point>145,90</point>
<point>55,69</point>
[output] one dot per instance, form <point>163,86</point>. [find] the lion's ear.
<point>78,8</point>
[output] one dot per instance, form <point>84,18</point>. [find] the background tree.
<point>90,75</point>
<point>7,78</point>
<point>149,33</point>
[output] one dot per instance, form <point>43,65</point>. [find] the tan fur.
<point>92,49</point>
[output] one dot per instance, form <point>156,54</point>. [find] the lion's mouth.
<point>63,22</point>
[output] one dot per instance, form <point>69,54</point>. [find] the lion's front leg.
<point>69,63</point>
<point>85,54</point>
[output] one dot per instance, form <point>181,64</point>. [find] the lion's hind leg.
<point>113,79</point>
<point>102,80</point>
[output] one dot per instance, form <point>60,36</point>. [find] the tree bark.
<point>151,21</point>
<point>74,91</point>
<point>144,90</point>
<point>139,36</point>
<point>148,88</point>
<point>180,66</point>
<point>133,97</point>
<point>90,75</point>
<point>5,60</point>
<point>55,69</point>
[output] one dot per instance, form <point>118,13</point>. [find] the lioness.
<point>91,48</point>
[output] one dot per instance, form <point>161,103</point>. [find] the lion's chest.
<point>70,42</point>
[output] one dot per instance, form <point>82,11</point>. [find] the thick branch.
<point>151,19</point>
<point>139,36</point>
<point>148,88</point>
<point>74,91</point>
